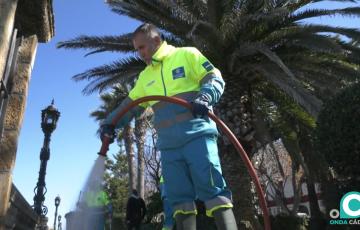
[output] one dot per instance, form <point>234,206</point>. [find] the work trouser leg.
<point>205,169</point>
<point>225,219</point>
<point>169,220</point>
<point>185,222</point>
<point>179,187</point>
<point>210,186</point>
<point>195,169</point>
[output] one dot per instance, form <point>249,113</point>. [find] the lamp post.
<point>49,118</point>
<point>57,202</point>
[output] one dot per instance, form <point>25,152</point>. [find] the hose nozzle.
<point>104,147</point>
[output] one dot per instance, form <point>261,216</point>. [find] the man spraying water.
<point>187,140</point>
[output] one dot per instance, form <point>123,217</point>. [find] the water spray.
<point>220,124</point>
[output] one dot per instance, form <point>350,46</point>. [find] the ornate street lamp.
<point>49,118</point>
<point>57,202</point>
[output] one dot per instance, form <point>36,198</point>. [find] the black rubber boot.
<point>225,219</point>
<point>185,222</point>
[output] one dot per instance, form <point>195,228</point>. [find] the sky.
<point>74,143</point>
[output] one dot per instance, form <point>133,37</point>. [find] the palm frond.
<point>173,40</point>
<point>109,101</point>
<point>291,87</point>
<point>197,8</point>
<point>275,59</point>
<point>228,7</point>
<point>208,34</point>
<point>248,27</point>
<point>350,11</point>
<point>285,104</point>
<point>214,11</point>
<point>292,31</point>
<point>159,14</point>
<point>98,44</point>
<point>252,48</point>
<point>314,42</point>
<point>335,71</point>
<point>105,76</point>
<point>352,50</point>
<point>301,3</point>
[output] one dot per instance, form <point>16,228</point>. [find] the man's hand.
<point>200,107</point>
<point>107,130</point>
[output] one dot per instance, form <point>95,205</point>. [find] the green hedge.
<point>338,134</point>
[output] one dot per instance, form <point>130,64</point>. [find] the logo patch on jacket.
<point>208,66</point>
<point>178,73</point>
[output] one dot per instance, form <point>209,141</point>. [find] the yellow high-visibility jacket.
<point>180,72</point>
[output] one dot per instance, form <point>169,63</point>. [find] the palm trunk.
<point>239,182</point>
<point>140,131</point>
<point>128,139</point>
<point>236,114</point>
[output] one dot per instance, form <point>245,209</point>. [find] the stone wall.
<point>7,19</point>
<point>20,215</point>
<point>13,118</point>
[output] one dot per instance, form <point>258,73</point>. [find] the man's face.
<point>146,46</point>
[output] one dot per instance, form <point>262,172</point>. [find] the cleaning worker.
<point>187,140</point>
<point>168,212</point>
<point>96,209</point>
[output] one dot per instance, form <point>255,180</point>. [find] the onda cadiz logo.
<point>349,210</point>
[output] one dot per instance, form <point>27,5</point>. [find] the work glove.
<point>200,106</point>
<point>107,130</point>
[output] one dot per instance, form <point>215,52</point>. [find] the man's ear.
<point>157,40</point>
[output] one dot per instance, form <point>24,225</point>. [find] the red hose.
<point>223,127</point>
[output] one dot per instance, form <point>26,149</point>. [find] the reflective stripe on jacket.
<point>162,188</point>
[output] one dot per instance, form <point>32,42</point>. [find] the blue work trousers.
<point>193,171</point>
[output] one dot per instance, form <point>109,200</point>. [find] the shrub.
<point>338,133</point>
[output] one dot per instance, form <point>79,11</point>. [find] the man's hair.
<point>148,29</point>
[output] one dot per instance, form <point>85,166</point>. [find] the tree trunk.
<point>297,188</point>
<point>239,182</point>
<point>314,165</point>
<point>128,140</point>
<point>140,131</point>
<point>234,110</point>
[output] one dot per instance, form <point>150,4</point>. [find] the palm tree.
<point>109,102</point>
<point>259,45</point>
<point>140,138</point>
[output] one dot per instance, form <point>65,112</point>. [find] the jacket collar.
<point>163,51</point>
